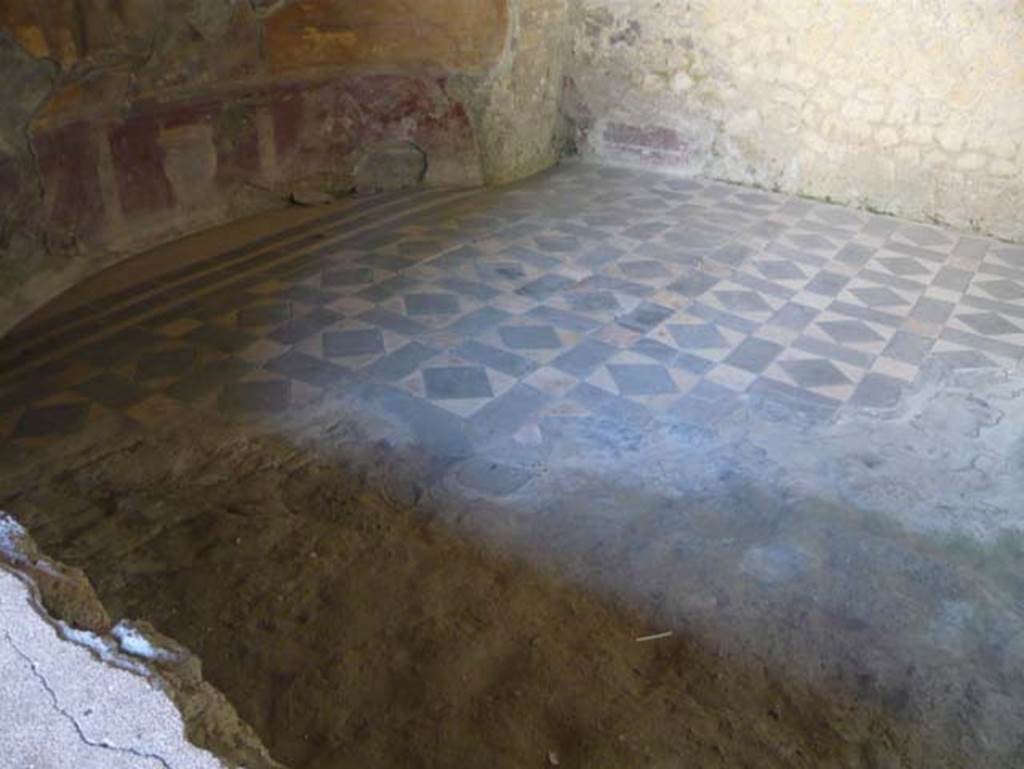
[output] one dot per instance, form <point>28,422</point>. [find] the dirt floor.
<point>351,627</point>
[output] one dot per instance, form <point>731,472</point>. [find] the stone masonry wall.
<point>913,107</point>
<point>126,124</point>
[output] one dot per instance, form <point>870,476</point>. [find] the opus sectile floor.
<point>586,290</point>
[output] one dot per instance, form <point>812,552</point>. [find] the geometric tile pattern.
<point>589,291</point>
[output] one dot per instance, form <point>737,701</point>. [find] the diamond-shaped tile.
<point>743,301</point>
<point>879,297</point>
<point>530,337</point>
<point>47,421</point>
<point>340,344</point>
<point>693,283</point>
<point>754,354</point>
<point>456,382</point>
<point>644,269</point>
<point>903,265</point>
<point>269,396</point>
<point>165,363</point>
<point>779,269</point>
<point>113,391</point>
<point>1007,290</point>
<point>264,315</point>
<point>849,331</point>
<point>698,336</point>
<point>815,372</point>
<point>989,323</point>
<point>642,379</point>
<point>432,304</point>
<point>592,301</point>
<point>357,276</point>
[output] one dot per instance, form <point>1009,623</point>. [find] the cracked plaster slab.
<point>62,708</point>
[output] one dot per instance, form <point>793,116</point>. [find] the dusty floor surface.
<point>388,556</point>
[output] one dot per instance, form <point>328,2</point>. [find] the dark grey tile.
<point>265,315</point>
<point>732,254</point>
<point>470,288</point>
<point>477,321</point>
<point>693,283</point>
<point>177,361</point>
<point>879,296</point>
<point>454,382</point>
<point>504,415</point>
<point>545,286</point>
<point>614,407</point>
<point>964,359</point>
<point>815,372</point>
<point>304,326</point>
<point>558,244</point>
<point>618,285</point>
<point>849,331</point>
<point>113,391</point>
<point>308,295</point>
<point>952,279</point>
<point>985,343</point>
<point>834,351</point>
<point>340,344</point>
<point>400,363</point>
<point>1005,290</point>
<point>877,391</point>
<point>353,276</point>
<point>389,288</point>
<point>867,313</point>
<point>432,304</point>
<point>779,269</point>
<point>523,255</point>
<point>908,348</point>
<point>698,336</point>
<point>904,266</point>
<point>743,301</point>
<point>645,317</point>
<point>208,378</point>
<point>932,310</point>
<point>592,301</point>
<point>989,323</point>
<point>392,321</point>
<point>530,337</point>
<point>794,316</point>
<point>644,269</point>
<point>262,397</point>
<point>440,432</point>
<point>855,254</point>
<point>723,319</point>
<point>827,283</point>
<point>497,359</point>
<point>754,355</point>
<point>584,357</point>
<point>564,319</point>
<point>389,262</point>
<point>311,370</point>
<point>50,421</point>
<point>491,477</point>
<point>656,350</point>
<point>642,379</point>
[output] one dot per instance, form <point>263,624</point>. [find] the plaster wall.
<point>911,107</point>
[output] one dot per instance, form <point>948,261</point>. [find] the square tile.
<point>754,354</point>
<point>456,382</point>
<point>432,304</point>
<point>51,421</point>
<point>356,342</point>
<point>530,337</point>
<point>641,379</point>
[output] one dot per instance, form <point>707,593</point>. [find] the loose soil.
<point>353,628</point>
